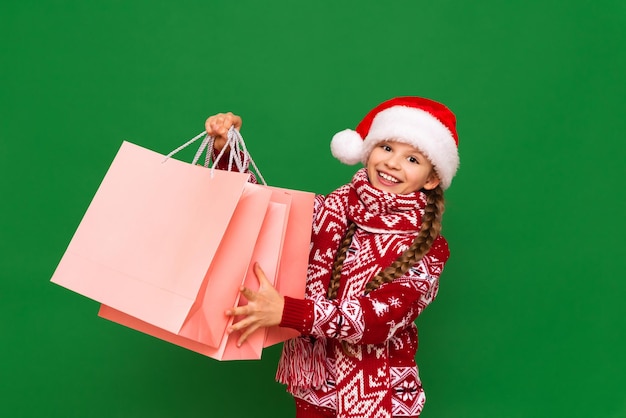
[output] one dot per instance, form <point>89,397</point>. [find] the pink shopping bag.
<point>266,252</point>
<point>291,279</point>
<point>149,236</point>
<point>206,322</point>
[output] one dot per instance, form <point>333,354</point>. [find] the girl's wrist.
<point>297,314</point>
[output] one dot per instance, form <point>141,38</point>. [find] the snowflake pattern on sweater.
<point>377,330</point>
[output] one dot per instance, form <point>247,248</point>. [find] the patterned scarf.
<point>303,359</point>
<point>378,211</point>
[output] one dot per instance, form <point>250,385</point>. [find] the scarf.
<point>302,364</point>
<point>383,212</point>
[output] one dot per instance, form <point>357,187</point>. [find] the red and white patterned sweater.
<point>379,326</point>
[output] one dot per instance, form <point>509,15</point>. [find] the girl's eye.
<point>386,147</point>
<point>413,160</point>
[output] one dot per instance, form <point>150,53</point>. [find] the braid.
<point>335,280</point>
<point>333,287</point>
<point>431,227</point>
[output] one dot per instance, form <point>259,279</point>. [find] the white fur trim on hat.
<point>422,130</point>
<point>347,146</point>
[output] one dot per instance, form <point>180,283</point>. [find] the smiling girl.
<point>375,260</point>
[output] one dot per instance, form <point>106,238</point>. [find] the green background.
<point>530,318</point>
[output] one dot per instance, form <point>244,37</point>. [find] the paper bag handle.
<point>237,146</point>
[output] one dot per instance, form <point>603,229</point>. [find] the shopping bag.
<point>206,322</point>
<point>150,234</point>
<point>291,280</point>
<point>243,239</point>
<point>292,271</point>
<point>267,253</point>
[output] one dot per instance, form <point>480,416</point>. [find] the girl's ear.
<point>432,181</point>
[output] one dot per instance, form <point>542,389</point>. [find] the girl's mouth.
<point>387,178</point>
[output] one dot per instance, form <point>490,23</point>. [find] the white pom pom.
<point>347,147</point>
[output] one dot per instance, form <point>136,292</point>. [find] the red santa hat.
<point>427,125</point>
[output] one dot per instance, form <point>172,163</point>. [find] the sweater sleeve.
<point>377,316</point>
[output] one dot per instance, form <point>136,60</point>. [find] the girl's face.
<point>400,168</point>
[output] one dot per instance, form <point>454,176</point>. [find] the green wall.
<point>529,321</point>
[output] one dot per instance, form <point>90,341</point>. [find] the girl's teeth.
<point>388,178</point>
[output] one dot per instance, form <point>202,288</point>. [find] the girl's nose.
<point>393,161</point>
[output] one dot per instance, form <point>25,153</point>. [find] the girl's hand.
<point>264,308</point>
<point>218,126</point>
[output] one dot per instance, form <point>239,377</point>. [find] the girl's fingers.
<point>218,125</point>
<point>246,334</point>
<point>245,309</point>
<point>238,326</point>
<point>255,313</point>
<point>233,120</point>
<point>260,274</point>
<point>246,327</point>
<point>249,294</point>
<point>223,120</point>
<point>237,311</point>
<point>211,125</point>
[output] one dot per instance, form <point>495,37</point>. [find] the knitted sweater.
<point>377,375</point>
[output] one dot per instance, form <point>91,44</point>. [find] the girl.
<point>374,265</point>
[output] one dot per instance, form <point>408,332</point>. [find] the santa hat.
<point>427,125</point>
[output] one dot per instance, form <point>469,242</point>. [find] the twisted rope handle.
<point>238,150</point>
<point>241,149</point>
